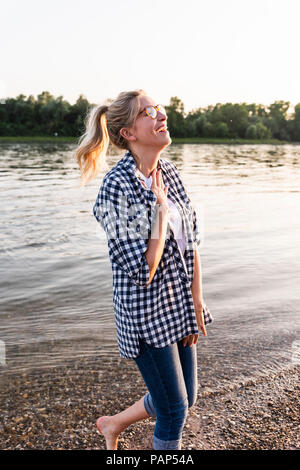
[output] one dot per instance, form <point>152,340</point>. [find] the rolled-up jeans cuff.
<point>158,444</point>
<point>149,407</point>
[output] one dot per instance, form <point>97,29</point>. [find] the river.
<point>56,280</point>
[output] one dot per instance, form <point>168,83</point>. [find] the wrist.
<point>163,206</point>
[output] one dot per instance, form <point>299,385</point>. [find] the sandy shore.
<point>57,409</point>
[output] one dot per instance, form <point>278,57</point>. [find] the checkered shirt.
<point>162,312</point>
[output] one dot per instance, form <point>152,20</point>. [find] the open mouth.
<point>163,130</point>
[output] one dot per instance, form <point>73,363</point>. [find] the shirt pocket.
<point>162,269</point>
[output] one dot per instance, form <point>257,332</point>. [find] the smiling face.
<point>145,132</point>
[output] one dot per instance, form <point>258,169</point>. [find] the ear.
<point>127,134</point>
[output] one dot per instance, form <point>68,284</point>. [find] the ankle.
<point>118,423</point>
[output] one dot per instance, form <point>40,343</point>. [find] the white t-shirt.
<point>175,220</point>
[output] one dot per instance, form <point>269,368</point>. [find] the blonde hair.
<point>103,124</point>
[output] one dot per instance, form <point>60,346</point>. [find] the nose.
<point>161,116</point>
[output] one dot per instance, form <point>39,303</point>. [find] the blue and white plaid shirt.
<point>162,312</point>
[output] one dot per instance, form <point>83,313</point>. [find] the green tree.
<point>251,132</point>
<point>236,118</point>
<point>47,115</point>
<point>262,131</point>
<point>294,125</point>
<point>222,129</point>
<point>176,119</point>
<point>277,119</point>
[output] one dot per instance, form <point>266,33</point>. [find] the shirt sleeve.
<point>126,244</point>
<point>183,193</point>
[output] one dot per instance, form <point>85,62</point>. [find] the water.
<point>56,280</point>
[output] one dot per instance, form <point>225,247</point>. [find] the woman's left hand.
<point>192,339</point>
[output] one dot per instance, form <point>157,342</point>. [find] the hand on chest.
<point>175,221</point>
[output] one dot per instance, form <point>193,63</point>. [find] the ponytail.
<point>93,144</point>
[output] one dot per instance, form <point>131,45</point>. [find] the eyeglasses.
<point>152,110</point>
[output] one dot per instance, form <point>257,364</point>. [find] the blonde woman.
<point>153,239</point>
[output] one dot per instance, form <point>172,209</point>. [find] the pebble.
<point>259,414</point>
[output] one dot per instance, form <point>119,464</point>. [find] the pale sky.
<point>204,52</point>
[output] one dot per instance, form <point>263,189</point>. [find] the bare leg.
<point>112,426</point>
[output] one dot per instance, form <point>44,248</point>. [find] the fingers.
<point>159,178</point>
<point>153,174</point>
<point>185,340</point>
<point>190,340</point>
<point>156,177</point>
<point>158,183</point>
<point>154,185</point>
<point>161,182</point>
<point>200,321</point>
<point>203,329</point>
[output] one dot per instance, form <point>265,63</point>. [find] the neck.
<point>146,160</point>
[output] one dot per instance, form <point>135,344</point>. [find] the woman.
<point>153,241</point>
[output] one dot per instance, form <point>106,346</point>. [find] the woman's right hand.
<point>158,188</point>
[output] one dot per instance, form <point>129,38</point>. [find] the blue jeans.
<point>170,374</point>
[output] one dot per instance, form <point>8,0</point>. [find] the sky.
<point>203,51</point>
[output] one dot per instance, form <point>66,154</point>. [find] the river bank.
<point>57,409</point>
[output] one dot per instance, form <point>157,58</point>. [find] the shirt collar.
<point>131,166</point>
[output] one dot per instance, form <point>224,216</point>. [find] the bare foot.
<point>111,433</point>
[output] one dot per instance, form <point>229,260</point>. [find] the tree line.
<point>50,116</point>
